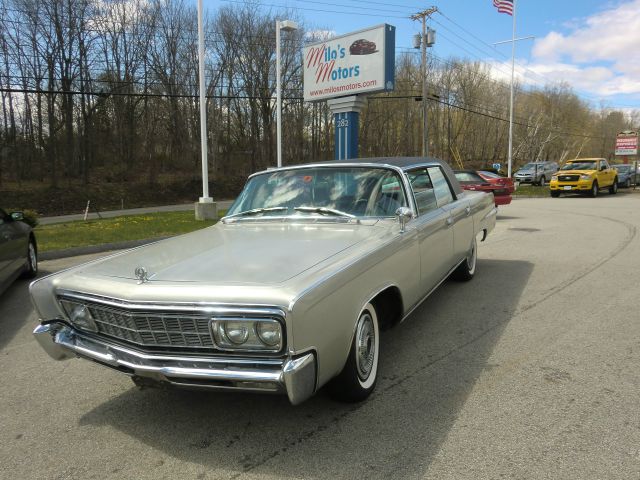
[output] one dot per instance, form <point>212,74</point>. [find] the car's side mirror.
<point>17,216</point>
<point>404,214</point>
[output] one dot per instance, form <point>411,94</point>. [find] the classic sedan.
<point>472,181</point>
<point>18,249</point>
<point>286,293</point>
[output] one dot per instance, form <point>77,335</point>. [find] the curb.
<point>106,247</point>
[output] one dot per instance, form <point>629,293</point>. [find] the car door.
<point>433,226</point>
<point>5,255</point>
<point>14,244</point>
<point>460,219</point>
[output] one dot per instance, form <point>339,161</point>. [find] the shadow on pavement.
<point>429,365</point>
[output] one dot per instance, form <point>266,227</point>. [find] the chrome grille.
<point>569,178</point>
<point>155,329</point>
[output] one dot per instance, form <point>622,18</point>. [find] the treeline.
<point>106,90</point>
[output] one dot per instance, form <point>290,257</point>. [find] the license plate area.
<point>567,187</point>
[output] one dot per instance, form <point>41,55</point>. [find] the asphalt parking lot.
<point>531,370</point>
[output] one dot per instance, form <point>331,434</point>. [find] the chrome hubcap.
<point>32,257</point>
<point>365,346</point>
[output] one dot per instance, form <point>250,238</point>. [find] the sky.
<point>593,45</point>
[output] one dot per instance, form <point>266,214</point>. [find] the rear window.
<point>468,177</point>
<point>490,174</point>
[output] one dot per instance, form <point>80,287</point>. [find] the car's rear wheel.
<point>467,269</point>
<point>613,189</point>
<point>359,375</point>
<point>594,189</point>
<point>31,270</point>
<point>627,184</point>
<point>554,193</point>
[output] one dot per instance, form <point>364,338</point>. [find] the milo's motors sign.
<point>351,64</point>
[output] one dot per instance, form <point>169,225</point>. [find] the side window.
<point>422,190</point>
<point>440,186</point>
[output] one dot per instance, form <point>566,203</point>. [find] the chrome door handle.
<point>449,221</point>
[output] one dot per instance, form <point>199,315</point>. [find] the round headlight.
<point>236,332</point>
<point>81,317</point>
<point>269,333</point>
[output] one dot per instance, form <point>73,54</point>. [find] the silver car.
<point>536,173</point>
<point>285,294</point>
<point>18,249</point>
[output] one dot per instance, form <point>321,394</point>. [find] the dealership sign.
<point>356,63</point>
<point>627,144</point>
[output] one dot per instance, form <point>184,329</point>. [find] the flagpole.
<point>513,62</point>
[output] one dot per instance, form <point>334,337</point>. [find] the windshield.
<point>530,166</point>
<point>579,166</point>
<point>622,168</point>
<point>327,191</point>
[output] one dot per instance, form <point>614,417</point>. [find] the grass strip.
<point>59,236</point>
<point>531,191</point>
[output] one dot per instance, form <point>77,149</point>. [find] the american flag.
<point>504,6</point>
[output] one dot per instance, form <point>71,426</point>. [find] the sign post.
<point>342,70</point>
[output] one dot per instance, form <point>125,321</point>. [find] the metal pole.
<point>278,98</point>
<point>425,131</point>
<point>203,108</point>
<point>513,60</point>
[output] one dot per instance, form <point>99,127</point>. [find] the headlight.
<point>247,334</point>
<point>585,177</point>
<point>79,315</point>
<point>269,332</point>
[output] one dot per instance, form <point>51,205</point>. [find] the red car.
<point>496,179</point>
<point>470,180</point>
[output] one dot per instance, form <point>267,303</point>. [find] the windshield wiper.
<point>255,211</point>
<point>325,211</point>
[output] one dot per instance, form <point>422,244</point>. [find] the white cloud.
<point>599,54</point>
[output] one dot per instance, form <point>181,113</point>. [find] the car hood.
<point>236,254</point>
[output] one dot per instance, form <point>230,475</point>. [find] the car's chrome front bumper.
<point>295,376</point>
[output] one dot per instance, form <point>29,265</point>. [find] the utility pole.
<point>423,15</point>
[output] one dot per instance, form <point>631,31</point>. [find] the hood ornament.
<point>142,275</point>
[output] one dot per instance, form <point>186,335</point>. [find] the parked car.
<point>505,183</point>
<point>18,249</point>
<point>584,175</point>
<point>472,181</point>
<point>536,173</point>
<point>286,293</point>
<point>626,175</point>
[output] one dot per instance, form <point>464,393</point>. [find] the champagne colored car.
<point>286,294</point>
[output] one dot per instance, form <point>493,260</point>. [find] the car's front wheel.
<point>359,375</point>
<point>31,270</point>
<point>594,189</point>
<point>613,189</point>
<point>543,181</point>
<point>467,269</point>
<point>554,193</point>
